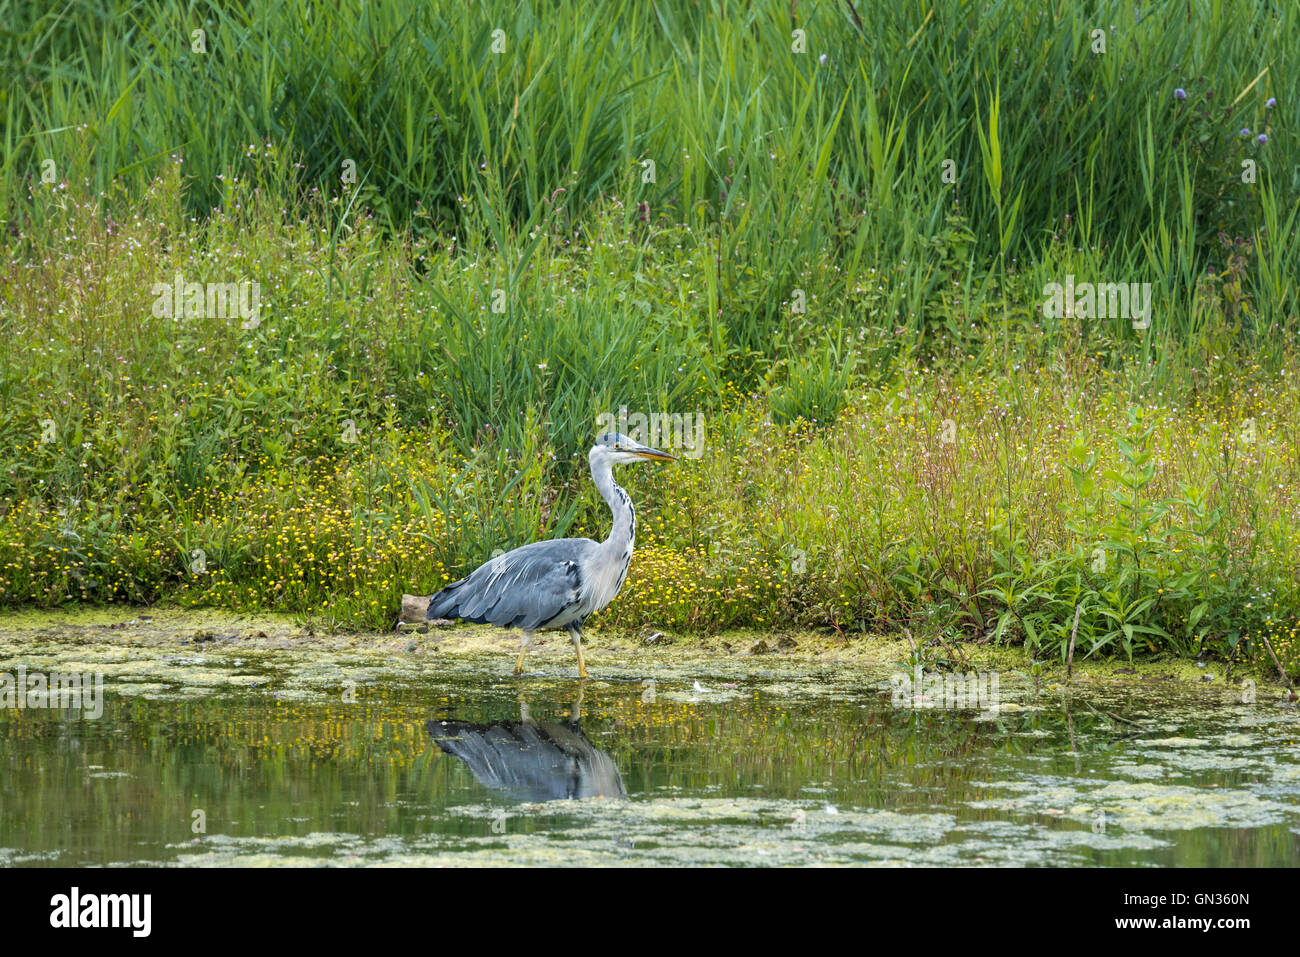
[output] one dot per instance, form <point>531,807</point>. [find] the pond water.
<point>232,756</point>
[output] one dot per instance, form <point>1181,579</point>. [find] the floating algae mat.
<point>241,744</point>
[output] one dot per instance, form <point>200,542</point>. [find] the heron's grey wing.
<point>525,588</point>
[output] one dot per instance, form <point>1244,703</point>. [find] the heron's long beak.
<point>653,454</point>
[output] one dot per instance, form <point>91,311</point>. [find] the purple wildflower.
<point>1180,94</point>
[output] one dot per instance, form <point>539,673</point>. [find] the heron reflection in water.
<point>532,760</point>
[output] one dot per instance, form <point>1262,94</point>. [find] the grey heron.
<point>555,583</point>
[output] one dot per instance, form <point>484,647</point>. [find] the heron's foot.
<point>519,666</point>
<point>582,671</point>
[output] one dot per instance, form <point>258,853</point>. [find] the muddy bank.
<point>551,655</point>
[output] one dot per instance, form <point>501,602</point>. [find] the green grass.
<point>771,158</point>
<point>437,338</point>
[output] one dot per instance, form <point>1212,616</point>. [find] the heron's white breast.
<point>602,578</point>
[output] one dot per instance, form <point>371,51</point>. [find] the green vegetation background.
<point>823,227</point>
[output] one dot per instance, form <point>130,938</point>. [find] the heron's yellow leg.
<point>523,647</point>
<point>582,664</point>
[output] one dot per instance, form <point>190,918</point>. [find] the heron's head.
<point>616,448</point>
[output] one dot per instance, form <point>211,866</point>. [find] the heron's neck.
<point>623,535</point>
